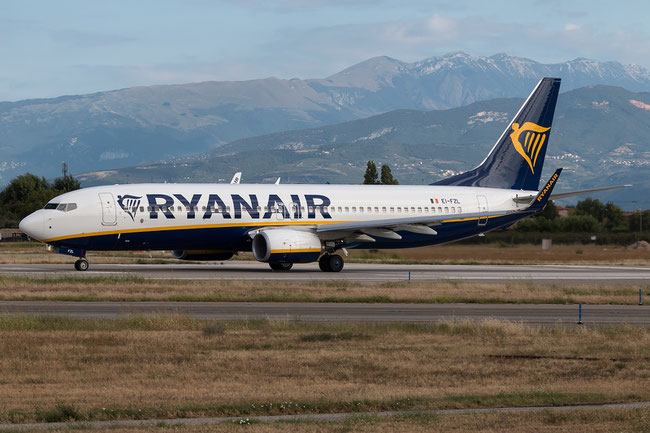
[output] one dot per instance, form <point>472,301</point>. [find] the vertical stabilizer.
<point>517,158</point>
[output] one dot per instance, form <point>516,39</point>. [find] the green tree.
<point>371,177</point>
<point>588,206</point>
<point>578,224</point>
<point>28,192</point>
<point>66,184</point>
<point>639,221</point>
<point>550,211</point>
<point>614,218</point>
<point>387,176</point>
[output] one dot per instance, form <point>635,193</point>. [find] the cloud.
<point>339,46</point>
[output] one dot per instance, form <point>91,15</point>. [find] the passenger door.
<point>109,212</point>
<point>482,209</point>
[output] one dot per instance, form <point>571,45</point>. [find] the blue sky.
<point>52,48</point>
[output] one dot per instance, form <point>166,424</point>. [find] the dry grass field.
<point>171,366</point>
<point>34,252</point>
<point>606,421</point>
<point>135,288</point>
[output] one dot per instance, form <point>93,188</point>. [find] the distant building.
<point>7,235</point>
<point>562,211</point>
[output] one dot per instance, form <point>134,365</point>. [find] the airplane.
<point>236,179</point>
<point>283,224</point>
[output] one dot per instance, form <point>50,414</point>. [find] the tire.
<point>281,266</point>
<point>81,265</point>
<point>324,263</point>
<point>335,263</point>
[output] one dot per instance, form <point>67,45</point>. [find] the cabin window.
<point>439,209</point>
<point>361,209</point>
<point>392,210</point>
<point>406,210</point>
<point>347,209</point>
<point>446,209</point>
<point>141,208</point>
<point>340,209</point>
<point>453,209</point>
<point>354,208</point>
<point>376,209</point>
<point>412,209</point>
<point>399,209</point>
<point>383,209</point>
<point>203,209</point>
<point>459,210</point>
<point>311,209</point>
<point>369,209</point>
<point>419,210</point>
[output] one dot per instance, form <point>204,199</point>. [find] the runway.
<point>605,315</point>
<point>356,272</point>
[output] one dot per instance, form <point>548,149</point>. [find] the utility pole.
<point>64,169</point>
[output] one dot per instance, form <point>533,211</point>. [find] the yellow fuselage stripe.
<point>210,226</point>
<point>190,227</point>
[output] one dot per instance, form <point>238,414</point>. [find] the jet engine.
<point>201,255</point>
<point>286,246</point>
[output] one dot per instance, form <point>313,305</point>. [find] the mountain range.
<point>129,127</point>
<point>600,136</point>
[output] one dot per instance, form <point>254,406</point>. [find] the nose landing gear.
<point>81,265</point>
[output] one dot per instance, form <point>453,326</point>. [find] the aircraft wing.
<point>387,228</point>
<point>529,198</point>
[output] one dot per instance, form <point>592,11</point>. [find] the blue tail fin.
<point>516,160</point>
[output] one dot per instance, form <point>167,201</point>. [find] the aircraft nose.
<point>32,225</point>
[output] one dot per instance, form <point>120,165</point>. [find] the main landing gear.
<point>281,266</point>
<point>81,265</point>
<point>331,263</point>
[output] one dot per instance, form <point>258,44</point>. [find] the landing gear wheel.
<point>281,266</point>
<point>324,263</point>
<point>335,263</point>
<point>81,265</point>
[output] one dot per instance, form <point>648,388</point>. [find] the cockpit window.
<point>63,207</point>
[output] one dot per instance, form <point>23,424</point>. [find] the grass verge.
<point>58,369</point>
<point>135,288</point>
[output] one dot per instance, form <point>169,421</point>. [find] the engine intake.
<point>286,245</point>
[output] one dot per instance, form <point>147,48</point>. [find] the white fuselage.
<point>143,215</point>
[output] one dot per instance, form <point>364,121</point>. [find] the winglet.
<point>545,193</point>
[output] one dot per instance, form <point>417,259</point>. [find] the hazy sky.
<point>51,48</point>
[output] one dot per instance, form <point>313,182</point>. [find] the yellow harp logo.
<point>533,137</point>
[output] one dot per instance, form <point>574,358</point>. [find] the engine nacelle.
<point>201,255</point>
<point>286,245</point>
